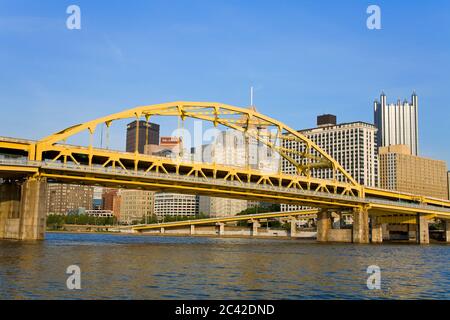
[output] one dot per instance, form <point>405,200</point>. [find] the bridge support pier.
<point>336,220</point>
<point>9,210</point>
<point>23,210</point>
<point>447,230</point>
<point>163,230</point>
<point>221,228</point>
<point>323,225</point>
<point>255,226</point>
<point>360,225</point>
<point>293,230</point>
<point>377,230</point>
<point>192,229</point>
<point>423,236</point>
<point>412,232</point>
<point>385,230</point>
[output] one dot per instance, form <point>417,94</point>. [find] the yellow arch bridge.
<point>26,166</point>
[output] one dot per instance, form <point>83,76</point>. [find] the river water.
<point>152,267</point>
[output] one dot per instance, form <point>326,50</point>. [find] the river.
<point>154,267</point>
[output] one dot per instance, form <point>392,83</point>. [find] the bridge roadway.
<point>170,182</point>
<point>218,220</point>
<point>22,214</point>
<point>26,148</point>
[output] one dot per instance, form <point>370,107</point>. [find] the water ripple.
<point>145,267</point>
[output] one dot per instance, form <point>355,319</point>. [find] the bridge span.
<point>26,166</point>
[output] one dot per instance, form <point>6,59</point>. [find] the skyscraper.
<point>66,198</point>
<point>352,144</point>
<point>402,171</point>
<point>397,123</point>
<point>234,149</point>
<point>144,133</point>
<point>173,204</point>
<point>136,205</point>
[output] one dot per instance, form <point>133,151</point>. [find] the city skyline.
<point>222,156</point>
<point>96,72</point>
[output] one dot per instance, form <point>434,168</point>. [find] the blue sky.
<point>303,57</point>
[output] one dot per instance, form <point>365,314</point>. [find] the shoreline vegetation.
<point>57,221</point>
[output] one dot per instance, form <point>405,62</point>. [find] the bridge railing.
<point>174,176</point>
<point>408,204</point>
<point>225,183</point>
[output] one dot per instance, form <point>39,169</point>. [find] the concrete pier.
<point>293,230</point>
<point>412,232</point>
<point>377,230</point>
<point>385,231</point>
<point>221,227</point>
<point>255,226</point>
<point>23,210</point>
<point>10,195</point>
<point>192,229</point>
<point>323,225</point>
<point>447,230</point>
<point>423,236</point>
<point>360,225</point>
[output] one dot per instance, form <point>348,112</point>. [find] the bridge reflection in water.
<point>22,214</point>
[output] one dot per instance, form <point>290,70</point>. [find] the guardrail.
<point>408,204</point>
<point>172,176</point>
<point>267,215</point>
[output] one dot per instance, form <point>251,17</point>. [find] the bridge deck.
<point>380,201</point>
<point>225,219</point>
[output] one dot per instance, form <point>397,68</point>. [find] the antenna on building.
<point>251,96</point>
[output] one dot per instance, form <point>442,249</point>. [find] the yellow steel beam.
<point>221,114</point>
<point>224,219</point>
<point>21,146</point>
<point>401,219</point>
<point>388,208</point>
<point>193,187</point>
<point>398,195</point>
<point>187,109</point>
<point>18,169</point>
<point>141,158</point>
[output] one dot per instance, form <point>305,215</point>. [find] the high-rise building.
<point>98,198</point>
<point>173,204</point>
<point>221,207</point>
<point>448,184</point>
<point>170,203</point>
<point>67,198</point>
<point>397,123</point>
<point>352,144</point>
<point>111,201</point>
<point>135,205</point>
<point>169,147</point>
<point>234,149</point>
<point>402,171</point>
<point>142,131</point>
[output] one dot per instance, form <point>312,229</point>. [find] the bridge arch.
<point>310,157</point>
